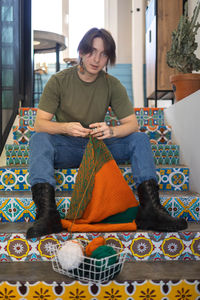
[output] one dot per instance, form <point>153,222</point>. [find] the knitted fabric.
<point>100,192</point>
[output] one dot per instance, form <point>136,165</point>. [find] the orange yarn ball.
<point>94,244</point>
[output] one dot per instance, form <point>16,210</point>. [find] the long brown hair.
<point>85,45</point>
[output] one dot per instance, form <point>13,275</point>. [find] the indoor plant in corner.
<point>182,55</point>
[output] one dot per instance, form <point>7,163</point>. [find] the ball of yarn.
<point>103,252</point>
<point>94,244</point>
<point>70,255</point>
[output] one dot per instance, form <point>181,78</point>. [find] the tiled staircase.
<point>159,265</point>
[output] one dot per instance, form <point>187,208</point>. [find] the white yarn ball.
<point>70,255</point>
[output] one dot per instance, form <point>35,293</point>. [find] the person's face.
<point>97,60</point>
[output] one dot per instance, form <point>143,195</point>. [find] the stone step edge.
<point>43,271</point>
<point>28,194</point>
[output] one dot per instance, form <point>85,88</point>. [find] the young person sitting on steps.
<point>79,98</point>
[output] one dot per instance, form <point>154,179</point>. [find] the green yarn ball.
<point>103,252</point>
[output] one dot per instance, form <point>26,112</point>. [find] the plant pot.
<point>185,84</point>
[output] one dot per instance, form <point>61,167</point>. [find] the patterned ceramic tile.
<point>150,116</point>
<point>158,134</point>
<point>22,209</point>
<point>132,290</point>
<point>17,155</point>
<point>169,178</point>
<point>145,116</point>
<point>165,154</point>
<point>27,116</point>
<point>140,246</point>
<point>22,135</point>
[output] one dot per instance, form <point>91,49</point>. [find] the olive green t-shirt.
<point>72,100</point>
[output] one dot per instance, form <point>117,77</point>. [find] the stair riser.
<point>147,289</point>
<point>157,134</point>
<point>23,209</point>
<point>140,246</point>
<point>145,116</point>
<point>16,179</point>
<point>17,155</point>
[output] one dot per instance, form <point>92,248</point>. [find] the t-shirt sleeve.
<point>50,98</point>
<point>120,102</point>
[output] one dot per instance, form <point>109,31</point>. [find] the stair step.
<point>169,178</point>
<point>140,245</point>
<point>19,207</point>
<point>43,271</point>
<point>143,280</point>
<point>145,116</point>
<point>18,155</point>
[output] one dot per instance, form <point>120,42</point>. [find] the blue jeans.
<point>48,152</point>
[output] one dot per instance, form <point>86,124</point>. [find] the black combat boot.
<point>47,216</point>
<point>151,214</point>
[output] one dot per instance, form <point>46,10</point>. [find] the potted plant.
<point>182,55</point>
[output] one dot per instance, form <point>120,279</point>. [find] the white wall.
<point>184,118</point>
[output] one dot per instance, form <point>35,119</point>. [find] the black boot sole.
<point>149,225</point>
<point>34,233</point>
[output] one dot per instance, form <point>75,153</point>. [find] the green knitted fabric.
<point>103,252</point>
<point>95,156</point>
<point>126,216</point>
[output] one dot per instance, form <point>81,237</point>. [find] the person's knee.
<point>140,137</point>
<point>39,138</point>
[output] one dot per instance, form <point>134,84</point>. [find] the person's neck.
<point>87,77</point>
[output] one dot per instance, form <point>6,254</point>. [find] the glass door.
<point>13,61</point>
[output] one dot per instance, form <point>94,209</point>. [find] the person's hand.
<point>101,130</point>
<point>77,130</point>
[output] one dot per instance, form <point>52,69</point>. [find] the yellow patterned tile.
<point>183,290</point>
<point>77,291</point>
<point>113,290</point>
<point>9,291</point>
<point>148,290</point>
<point>41,290</point>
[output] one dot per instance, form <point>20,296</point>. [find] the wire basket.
<point>91,269</point>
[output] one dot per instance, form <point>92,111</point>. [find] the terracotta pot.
<point>185,84</point>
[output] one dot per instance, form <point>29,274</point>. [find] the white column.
<point>111,19</point>
<point>65,24</point>
<point>138,50</point>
